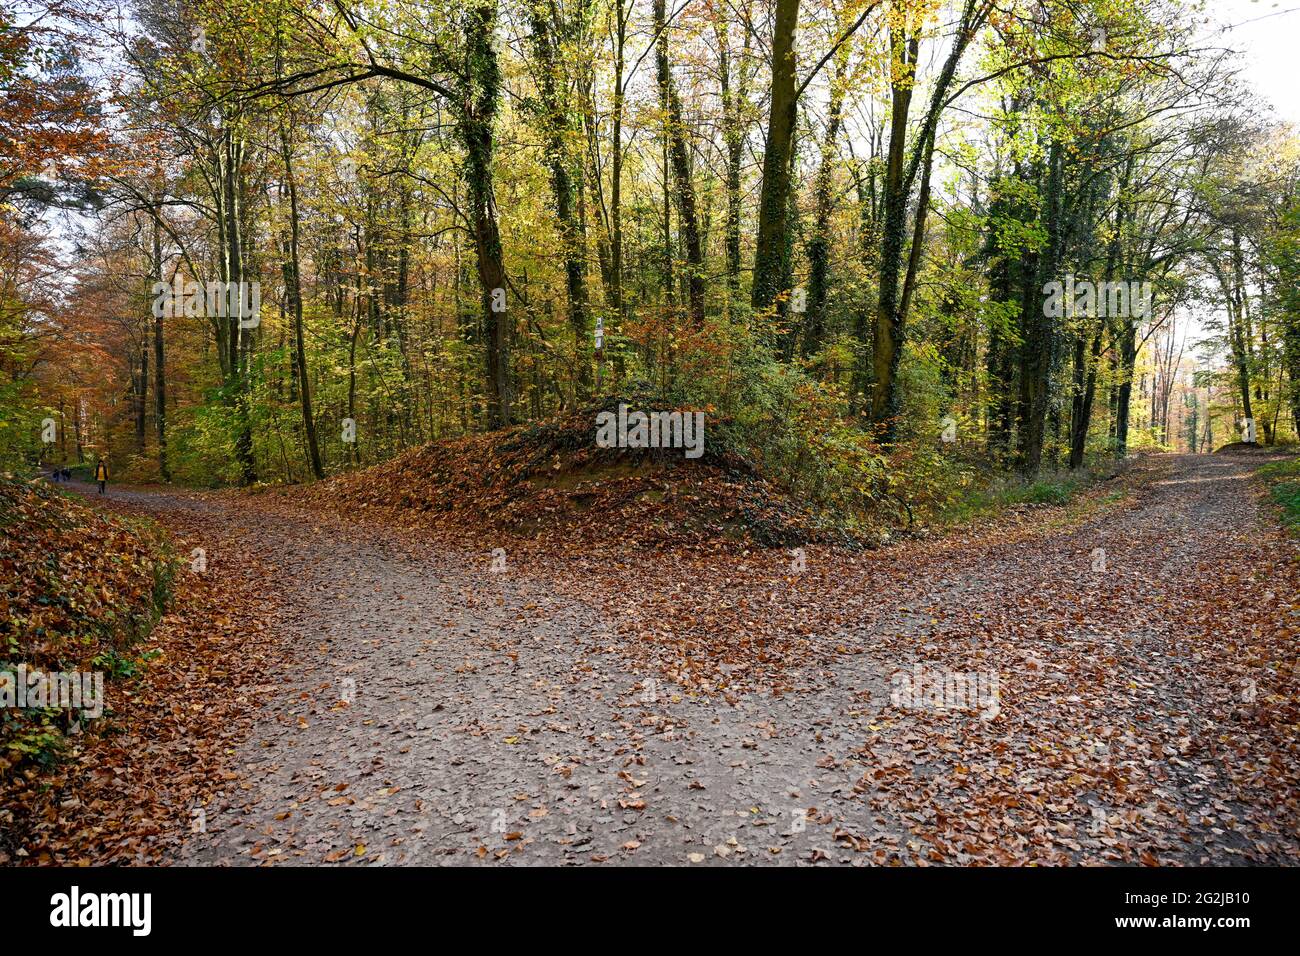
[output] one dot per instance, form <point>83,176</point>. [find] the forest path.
<point>1138,709</point>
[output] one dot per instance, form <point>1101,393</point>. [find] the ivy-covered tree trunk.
<point>1085,385</point>
<point>894,297</point>
<point>1291,357</point>
<point>1006,254</point>
<point>623,13</point>
<point>555,116</point>
<point>868,251</point>
<point>774,200</point>
<point>887,331</point>
<point>683,182</point>
<point>1001,373</point>
<point>141,381</point>
<point>477,117</point>
<point>819,246</point>
<point>1088,363</point>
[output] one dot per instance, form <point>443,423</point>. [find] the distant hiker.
<point>67,474</point>
<point>101,474</point>
<point>56,474</point>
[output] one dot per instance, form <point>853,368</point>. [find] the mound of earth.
<point>551,480</point>
<point>1241,447</point>
<point>78,590</point>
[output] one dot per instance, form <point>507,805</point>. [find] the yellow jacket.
<point>101,472</point>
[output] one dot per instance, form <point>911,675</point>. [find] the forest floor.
<point>434,703</point>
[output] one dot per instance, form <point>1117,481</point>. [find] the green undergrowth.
<point>1283,480</point>
<point>1003,492</point>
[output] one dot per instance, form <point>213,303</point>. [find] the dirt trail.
<point>486,719</point>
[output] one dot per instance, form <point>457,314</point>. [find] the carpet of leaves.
<point>125,790</point>
<point>1150,712</point>
<point>75,585</point>
<point>77,590</point>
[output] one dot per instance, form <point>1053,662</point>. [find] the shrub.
<point>1283,478</point>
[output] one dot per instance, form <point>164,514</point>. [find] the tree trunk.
<point>892,305</point>
<point>887,332</point>
<point>293,287</point>
<point>1036,350</point>
<point>160,376</point>
<point>1237,319</point>
<point>733,79</point>
<point>616,182</point>
<point>1085,382</point>
<point>230,154</point>
<point>141,397</point>
<point>819,247</point>
<point>774,199</point>
<point>1086,379</point>
<point>476,128</point>
<point>1124,394</point>
<point>558,133</point>
<point>1291,356</point>
<point>688,219</point>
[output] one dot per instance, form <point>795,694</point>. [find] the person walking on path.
<point>101,474</point>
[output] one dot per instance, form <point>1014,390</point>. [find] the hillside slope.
<point>78,589</point>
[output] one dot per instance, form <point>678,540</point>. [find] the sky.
<point>1268,33</point>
